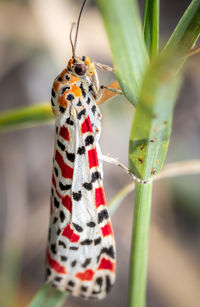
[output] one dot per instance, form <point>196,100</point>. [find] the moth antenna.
<point>70,37</point>
<point>77,27</point>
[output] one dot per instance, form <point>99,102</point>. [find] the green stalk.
<point>139,250</point>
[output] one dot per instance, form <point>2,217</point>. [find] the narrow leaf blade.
<point>151,26</point>
<point>25,117</point>
<point>187,31</point>
<point>48,297</point>
<point>130,57</point>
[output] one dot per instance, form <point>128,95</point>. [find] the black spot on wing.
<point>96,176</point>
<point>81,150</point>
<point>87,242</point>
<point>53,94</point>
<point>90,87</point>
<point>63,258</point>
<point>61,243</point>
<point>97,241</point>
<point>108,283</point>
<point>86,262</point>
<point>89,140</point>
<point>99,281</point>
<point>58,231</point>
<point>84,288</point>
<point>75,248</point>
<point>65,187</point>
<point>53,248</point>
<point>71,283</point>
<point>77,227</point>
<point>56,171</point>
<point>60,145</point>
<point>70,97</point>
<point>62,216</point>
<point>94,109</point>
<point>103,215</point>
<point>55,220</point>
<point>79,104</point>
<point>77,196</point>
<point>91,224</point>
<point>69,121</point>
<point>67,77</point>
<point>57,278</point>
<point>70,156</point>
<point>88,100</point>
<point>87,186</point>
<point>82,112</point>
<point>73,263</point>
<point>56,203</point>
<point>48,272</point>
<point>63,90</point>
<point>83,93</point>
<point>62,109</point>
<point>59,79</point>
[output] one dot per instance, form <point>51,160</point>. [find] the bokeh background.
<point>34,48</point>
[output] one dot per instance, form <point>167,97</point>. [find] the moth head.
<point>81,67</point>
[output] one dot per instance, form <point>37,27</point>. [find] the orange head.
<point>81,67</point>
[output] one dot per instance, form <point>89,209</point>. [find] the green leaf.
<point>130,57</point>
<point>25,117</point>
<point>48,297</point>
<point>151,26</point>
<point>187,31</point>
<point>151,127</point>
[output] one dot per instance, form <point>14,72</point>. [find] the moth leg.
<point>116,162</point>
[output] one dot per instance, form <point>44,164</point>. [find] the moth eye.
<point>80,69</point>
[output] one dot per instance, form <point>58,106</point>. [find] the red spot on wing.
<point>92,158</point>
<point>67,203</point>
<point>55,265</point>
<point>86,275</point>
<point>99,197</point>
<point>67,171</point>
<point>106,230</point>
<point>106,264</point>
<point>69,233</point>
<point>64,132</point>
<point>86,126</point>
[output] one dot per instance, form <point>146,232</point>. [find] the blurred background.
<point>34,48</point>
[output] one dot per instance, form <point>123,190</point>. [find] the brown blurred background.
<point>34,48</point>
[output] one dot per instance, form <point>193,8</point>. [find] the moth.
<point>81,254</point>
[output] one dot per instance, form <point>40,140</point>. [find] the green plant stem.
<point>139,250</point>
